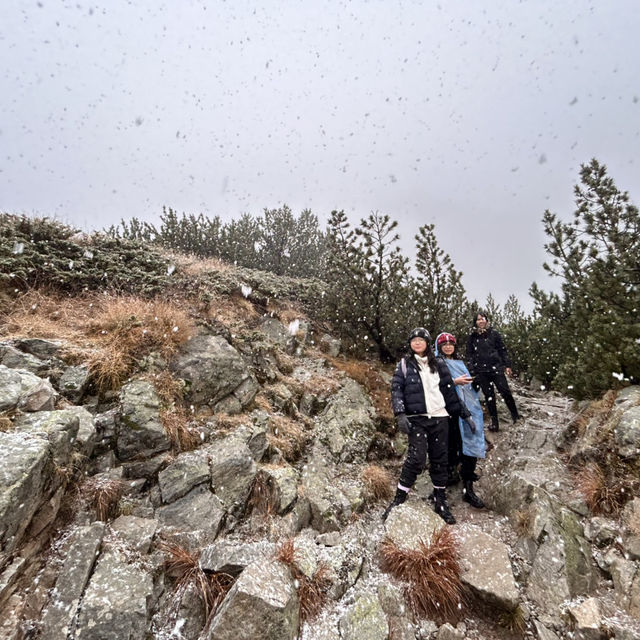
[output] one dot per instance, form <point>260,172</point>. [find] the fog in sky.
<point>471,115</point>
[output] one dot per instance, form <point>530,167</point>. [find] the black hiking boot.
<point>441,506</point>
<point>399,498</point>
<point>515,417</point>
<point>495,425</point>
<point>468,495</point>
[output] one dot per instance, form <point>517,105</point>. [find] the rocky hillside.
<point>206,465</point>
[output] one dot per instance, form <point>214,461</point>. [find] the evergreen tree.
<point>240,242</point>
<point>596,257</point>
<point>439,296</point>
<point>368,283</point>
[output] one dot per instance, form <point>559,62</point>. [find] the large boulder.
<point>347,425</point>
<point>139,429</point>
<point>80,557</point>
<point>213,371</point>
<point>486,568</point>
<point>364,619</point>
<point>117,601</point>
<point>19,388</point>
<point>23,459</point>
<point>183,474</point>
<point>263,603</point>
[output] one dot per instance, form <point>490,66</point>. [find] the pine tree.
<point>596,257</point>
<point>439,296</point>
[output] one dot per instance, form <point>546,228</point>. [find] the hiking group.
<point>435,399</point>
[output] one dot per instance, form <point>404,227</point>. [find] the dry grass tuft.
<point>513,620</point>
<point>288,436</point>
<point>604,493</point>
<point>366,374</point>
<point>181,433</point>
<point>523,522</point>
<point>313,592</point>
<point>103,494</point>
<point>227,422</point>
<point>168,388</point>
<point>5,423</point>
<point>184,566</point>
<point>263,497</point>
<point>378,483</point>
<point>235,312</point>
<point>432,574</point>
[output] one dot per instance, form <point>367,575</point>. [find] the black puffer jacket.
<point>407,392</point>
<point>486,352</point>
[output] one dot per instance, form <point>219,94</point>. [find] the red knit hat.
<point>446,337</point>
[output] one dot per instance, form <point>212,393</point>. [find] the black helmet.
<point>420,332</point>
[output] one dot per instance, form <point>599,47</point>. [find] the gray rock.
<point>284,480</point>
<point>449,632</point>
<point>346,426</point>
<point>39,397</point>
<point>364,620</point>
<point>329,506</point>
<point>59,428</point>
<point>15,385</point>
<point>79,561</point>
<point>277,333</point>
<point>73,382</point>
<point>199,511</point>
<point>116,603</point>
<point>627,434</point>
<point>411,523</point>
<point>183,474</point>
<point>232,470</point>
<point>15,359</point>
<point>330,345</point>
<point>232,558</point>
<point>265,600</point>
<point>586,620</point>
<point>139,428</point>
<point>213,370</point>
<point>562,568</point>
<point>22,481</point>
<point>486,569</point>
<point>38,347</point>
<point>601,531</point>
<point>543,632</point>
<point>137,532</point>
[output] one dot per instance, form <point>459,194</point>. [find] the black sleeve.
<point>397,391</point>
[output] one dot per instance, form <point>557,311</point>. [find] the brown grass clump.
<point>604,494</point>
<point>185,568</point>
<point>287,435</point>
<point>263,497</point>
<point>182,435</point>
<point>313,592</point>
<point>103,494</point>
<point>513,620</point>
<point>432,574</point>
<point>235,312</point>
<point>369,377</point>
<point>5,423</point>
<point>378,483</point>
<point>598,409</point>
<point>169,389</point>
<point>523,522</point>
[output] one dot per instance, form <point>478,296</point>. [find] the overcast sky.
<point>473,115</point>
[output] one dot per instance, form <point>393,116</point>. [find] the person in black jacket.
<point>423,396</point>
<point>488,361</point>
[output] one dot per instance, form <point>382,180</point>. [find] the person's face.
<point>418,345</point>
<point>481,322</point>
<point>447,348</point>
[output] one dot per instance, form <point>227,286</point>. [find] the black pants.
<point>486,381</point>
<point>455,457</point>
<point>429,436</point>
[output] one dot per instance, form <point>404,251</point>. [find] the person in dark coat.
<point>488,362</point>
<point>423,396</point>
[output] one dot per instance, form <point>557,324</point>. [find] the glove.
<point>471,423</point>
<point>403,423</point>
<point>464,413</point>
<point>475,385</point>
